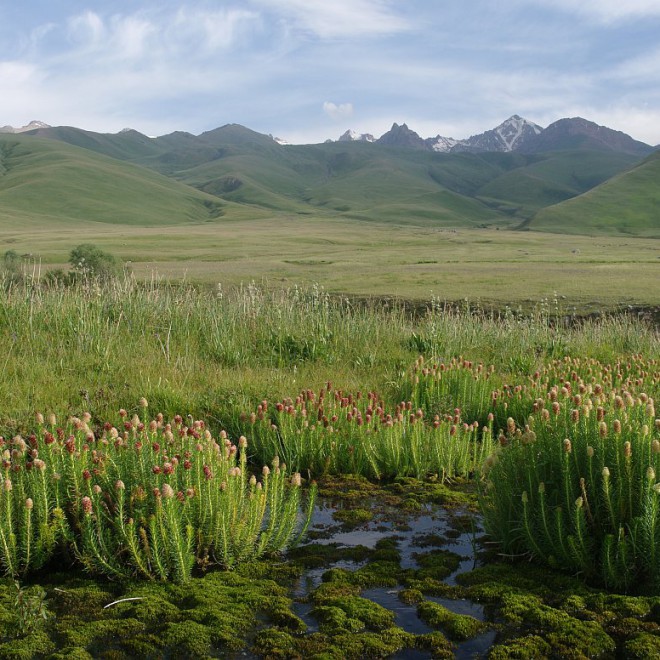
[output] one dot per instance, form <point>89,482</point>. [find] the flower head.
<point>87,505</point>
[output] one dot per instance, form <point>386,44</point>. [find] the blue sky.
<point>307,70</point>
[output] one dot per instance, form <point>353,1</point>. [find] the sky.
<point>308,70</point>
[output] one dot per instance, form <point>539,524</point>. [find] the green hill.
<point>46,181</point>
<point>629,204</point>
<point>250,173</point>
<point>551,178</point>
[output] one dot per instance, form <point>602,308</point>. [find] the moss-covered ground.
<point>321,600</point>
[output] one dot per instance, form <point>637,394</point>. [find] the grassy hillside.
<point>551,178</point>
<point>360,181</point>
<point>45,182</point>
<point>627,204</point>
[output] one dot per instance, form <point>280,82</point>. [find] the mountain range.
<point>515,134</point>
<point>517,175</point>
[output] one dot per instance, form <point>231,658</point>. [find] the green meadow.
<point>490,267</point>
<point>312,402</point>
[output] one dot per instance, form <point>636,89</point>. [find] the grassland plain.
<point>371,259</point>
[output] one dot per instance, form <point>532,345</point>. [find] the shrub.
<point>91,262</point>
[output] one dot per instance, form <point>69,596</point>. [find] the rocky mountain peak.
<point>32,126</point>
<point>353,136</point>
<point>402,136</point>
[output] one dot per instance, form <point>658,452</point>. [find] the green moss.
<point>642,646</point>
<point>84,602</point>
<point>187,640</point>
<point>570,637</point>
<point>410,596</point>
<point>335,589</point>
<point>436,564</point>
<point>71,653</point>
<point>353,517</point>
<point>314,555</point>
<point>98,634</point>
<point>623,605</point>
<point>372,615</point>
<point>333,619</point>
<point>284,618</point>
<point>372,645</point>
<point>431,540</point>
<point>437,643</point>
<point>411,504</point>
<point>522,648</point>
<point>282,573</point>
<point>455,626</point>
<point>433,587</point>
<point>152,609</point>
<point>525,578</point>
<point>515,607</point>
<point>374,574</point>
<point>348,487</point>
<point>573,604</point>
<point>36,644</point>
<point>274,643</point>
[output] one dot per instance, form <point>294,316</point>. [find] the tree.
<point>93,263</point>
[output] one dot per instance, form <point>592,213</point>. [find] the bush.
<point>91,262</point>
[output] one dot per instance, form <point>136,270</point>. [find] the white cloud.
<point>644,68</point>
<point>86,28</point>
<point>607,11</point>
<point>341,111</point>
<point>332,19</point>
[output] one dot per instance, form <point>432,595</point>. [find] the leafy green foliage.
<point>92,263</point>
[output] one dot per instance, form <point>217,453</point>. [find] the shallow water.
<point>410,531</point>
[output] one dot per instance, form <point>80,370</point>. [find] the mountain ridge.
<point>519,134</point>
<point>397,179</point>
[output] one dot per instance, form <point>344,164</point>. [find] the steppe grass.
<point>217,353</point>
<point>367,259</point>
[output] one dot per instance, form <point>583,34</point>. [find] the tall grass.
<point>217,353</point>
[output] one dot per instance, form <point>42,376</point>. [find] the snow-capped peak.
<point>443,144</point>
<point>514,129</point>
<point>33,125</point>
<point>278,140</point>
<point>353,136</point>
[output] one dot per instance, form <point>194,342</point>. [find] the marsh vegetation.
<point>487,482</point>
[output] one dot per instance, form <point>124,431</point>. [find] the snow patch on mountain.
<point>33,125</point>
<point>353,136</point>
<point>443,144</point>
<point>514,130</point>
